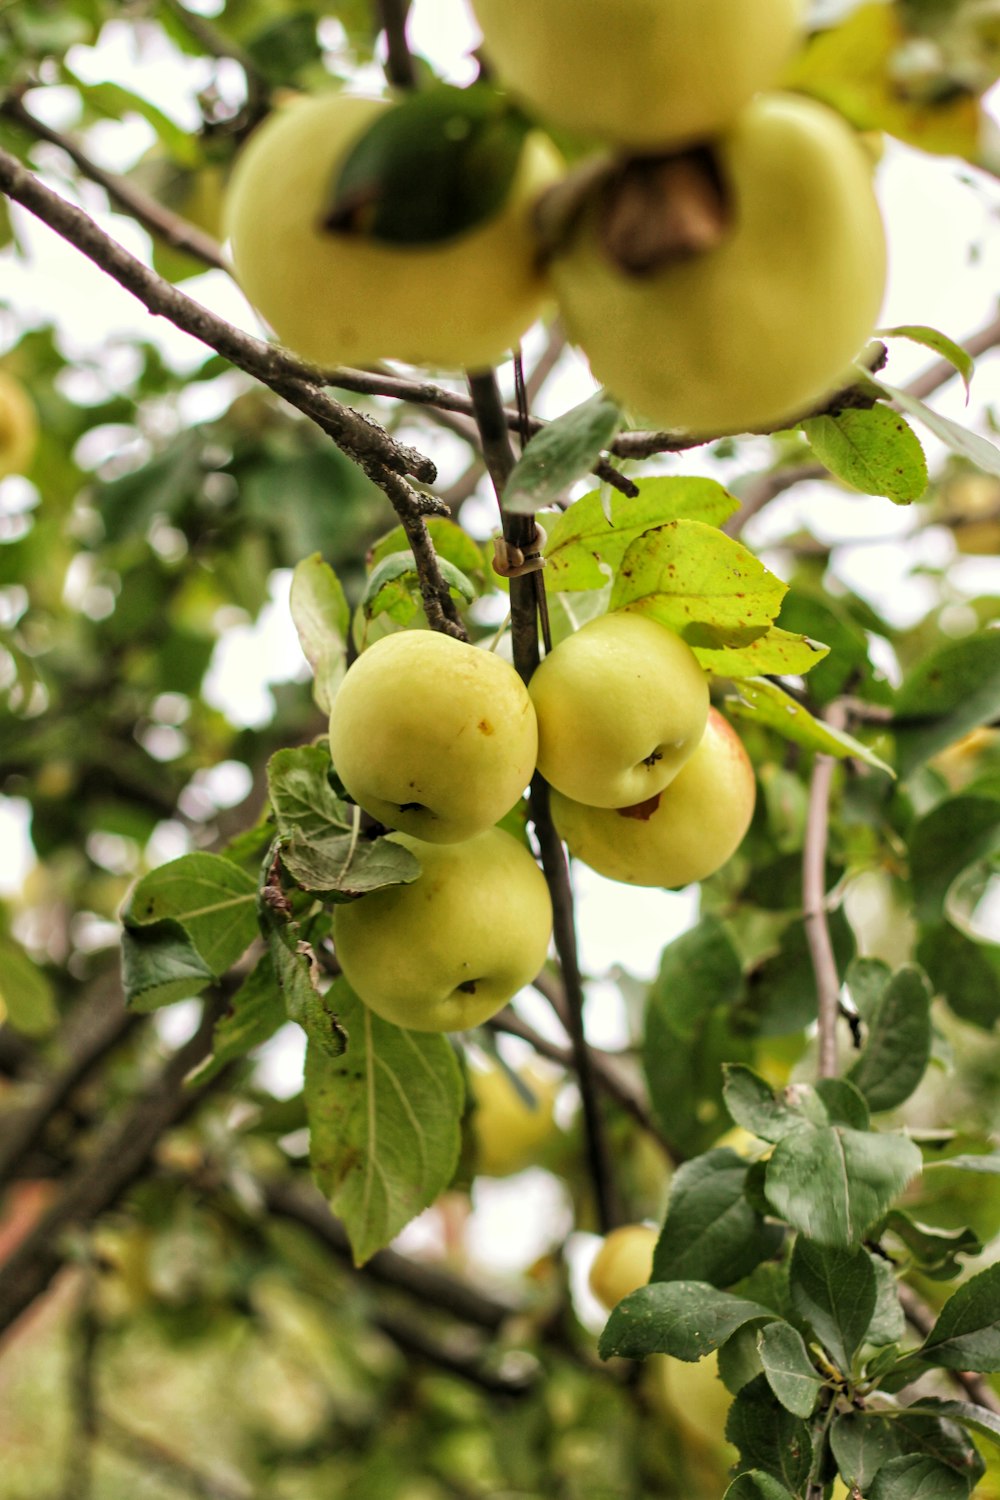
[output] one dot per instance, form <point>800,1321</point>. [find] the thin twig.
<point>169,227</point>
<point>467,1364</point>
<point>817,926</point>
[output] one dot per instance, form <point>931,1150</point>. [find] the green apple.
<point>621,705</point>
<point>433,736</point>
<point>18,426</point>
<point>623,1263</point>
<point>643,73</point>
<point>753,331</point>
<point>509,1132</point>
<point>448,951</point>
<point>339,298</point>
<point>682,834</point>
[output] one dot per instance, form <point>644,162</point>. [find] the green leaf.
<point>255,1013</point>
<point>711,1233</point>
<point>437,164</point>
<point>966,1335</point>
<point>948,693</point>
<point>211,899</point>
<point>989,1163</point>
<point>768,1436</point>
<point>888,1324</point>
<point>321,846</point>
<point>560,454</point>
<point>912,1477</point>
<point>833,1183</point>
<point>295,972</point>
<point>582,537</point>
<point>764,702</point>
<point>393,587</point>
<point>687,1319</point>
<point>898,1047</point>
<point>699,970</point>
<point>978,1419</point>
<point>384,1122</point>
<point>935,1251</point>
<point>450,542</point>
<point>788,1369</point>
<point>756,1485</point>
<point>776,650</point>
<point>874,451</point>
<point>967,974</point>
<point>835,1293</point>
<point>160,964</point>
<point>752,1103</point>
<point>861,1444</point>
<point>961,440</point>
<point>781,990</point>
<point>866,979</point>
<point>114,102</point>
<point>955,834</point>
<point>699,583</point>
<point>322,618</point>
<point>932,338</point>
<point>25,993</point>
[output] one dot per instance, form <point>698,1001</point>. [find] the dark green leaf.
<point>977,1419</point>
<point>210,898</point>
<point>295,972</point>
<point>160,964</point>
<point>560,454</point>
<point>781,989</point>
<point>788,1369</point>
<point>835,1292</point>
<point>26,997</point>
<point>866,979</point>
<point>395,580</point>
<point>946,695</point>
<point>888,1324</point>
<point>966,1335</point>
<point>954,834</point>
<point>711,1233</point>
<point>756,1485</point>
<point>898,1047</point>
<point>384,1123</point>
<point>833,1183</point>
<point>699,971</point>
<point>687,1319</point>
<point>769,1437</point>
<point>255,1013</point>
<point>753,1104</point>
<point>875,451</point>
<point>861,1444</point>
<point>437,164</point>
<point>934,1251</point>
<point>912,1477</point>
<point>346,865</point>
<point>967,974</point>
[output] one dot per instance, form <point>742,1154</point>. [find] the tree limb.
<point>817,926</point>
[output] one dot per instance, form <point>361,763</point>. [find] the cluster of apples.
<point>721,268</point>
<point>437,740</point>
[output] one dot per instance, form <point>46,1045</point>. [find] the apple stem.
<point>399,69</point>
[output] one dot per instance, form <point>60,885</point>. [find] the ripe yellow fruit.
<point>623,1263</point>
<point>694,1394</point>
<point>338,298</point>
<point>750,333</point>
<point>621,705</point>
<point>509,1132</point>
<point>18,426</point>
<point>448,951</point>
<point>433,736</point>
<point>646,73</point>
<point>685,833</point>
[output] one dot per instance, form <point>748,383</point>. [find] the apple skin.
<point>509,1133</point>
<point>433,736</point>
<point>753,332</point>
<point>623,1263</point>
<point>18,427</point>
<point>685,834</point>
<point>643,73</point>
<point>621,705</point>
<point>340,299</point>
<point>478,914</point>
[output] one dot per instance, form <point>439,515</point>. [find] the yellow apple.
<point>338,298</point>
<point>621,705</point>
<point>18,426</point>
<point>448,951</point>
<point>433,736</point>
<point>509,1132</point>
<point>753,331</point>
<point>645,73</point>
<point>694,1394</point>
<point>623,1263</point>
<point>684,833</point>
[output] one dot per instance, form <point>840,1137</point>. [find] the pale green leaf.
<point>766,703</point>
<point>322,618</point>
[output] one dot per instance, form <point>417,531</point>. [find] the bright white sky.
<point>934,213</point>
